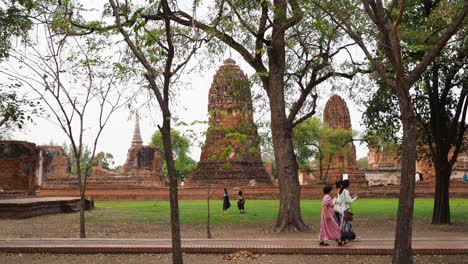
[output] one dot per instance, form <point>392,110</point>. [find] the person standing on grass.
<point>241,202</point>
<point>329,229</point>
<point>346,200</point>
<point>226,203</point>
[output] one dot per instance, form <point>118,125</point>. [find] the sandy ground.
<point>208,259</point>
<point>66,226</point>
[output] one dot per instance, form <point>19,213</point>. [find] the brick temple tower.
<point>336,116</point>
<point>231,154</point>
<point>142,161</point>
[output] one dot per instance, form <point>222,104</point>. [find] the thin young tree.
<point>160,48</point>
<point>77,84</point>
<point>382,23</point>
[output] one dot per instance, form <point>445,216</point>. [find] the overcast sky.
<point>191,105</point>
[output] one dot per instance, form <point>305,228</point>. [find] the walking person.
<point>241,202</point>
<point>336,202</point>
<point>329,229</point>
<point>226,203</point>
<point>346,200</point>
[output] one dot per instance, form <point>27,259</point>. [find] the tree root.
<point>291,227</point>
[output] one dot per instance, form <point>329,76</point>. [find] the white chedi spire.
<point>136,140</point>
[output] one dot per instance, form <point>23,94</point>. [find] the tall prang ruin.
<point>230,156</point>
<point>336,116</point>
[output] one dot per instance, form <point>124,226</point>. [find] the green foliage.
<point>307,137</point>
<point>15,111</point>
<point>194,212</point>
<point>118,168</point>
<point>85,158</point>
<point>381,117</point>
<point>14,22</point>
<point>103,160</point>
<point>362,163</point>
<point>181,150</point>
<point>313,140</point>
<point>437,95</point>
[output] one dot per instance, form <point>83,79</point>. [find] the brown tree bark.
<point>173,189</point>
<point>82,215</point>
<point>208,220</point>
<point>388,34</point>
<point>163,99</point>
<point>289,216</point>
<point>444,132</point>
<point>403,233</point>
<point>82,194</point>
<point>441,211</point>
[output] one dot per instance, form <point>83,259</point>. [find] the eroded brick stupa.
<point>336,116</point>
<point>230,156</point>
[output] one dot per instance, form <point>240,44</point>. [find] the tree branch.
<point>430,55</point>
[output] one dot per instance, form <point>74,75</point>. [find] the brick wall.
<point>314,191</point>
<point>55,163</point>
<point>19,161</point>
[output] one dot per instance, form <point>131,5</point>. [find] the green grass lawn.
<point>195,212</point>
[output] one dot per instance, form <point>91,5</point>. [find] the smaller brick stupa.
<point>230,156</point>
<point>142,161</point>
<point>336,116</point>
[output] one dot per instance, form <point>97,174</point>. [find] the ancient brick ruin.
<point>19,162</point>
<point>27,168</point>
<point>336,116</point>
<point>142,169</point>
<point>54,163</point>
<point>384,166</point>
<point>231,153</point>
<point>142,161</point>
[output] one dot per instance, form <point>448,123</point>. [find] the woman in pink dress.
<point>329,229</point>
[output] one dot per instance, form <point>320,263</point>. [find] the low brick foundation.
<point>29,207</point>
<point>426,189</point>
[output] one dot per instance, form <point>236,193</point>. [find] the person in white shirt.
<point>346,200</point>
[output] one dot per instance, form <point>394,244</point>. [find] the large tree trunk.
<point>441,211</point>
<point>289,216</point>
<point>403,234</point>
<point>173,191</point>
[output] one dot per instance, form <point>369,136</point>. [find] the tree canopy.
<point>15,22</point>
<point>314,140</point>
<point>181,149</point>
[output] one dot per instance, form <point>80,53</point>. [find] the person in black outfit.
<point>241,202</point>
<point>226,203</point>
